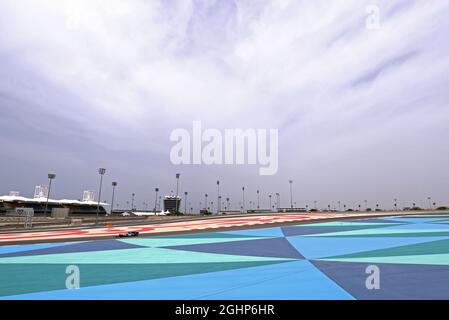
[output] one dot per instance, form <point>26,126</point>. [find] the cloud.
<point>118,76</point>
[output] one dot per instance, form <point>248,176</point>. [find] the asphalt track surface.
<point>322,259</point>
<point>196,225</point>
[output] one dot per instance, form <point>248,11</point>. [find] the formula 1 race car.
<point>128,234</point>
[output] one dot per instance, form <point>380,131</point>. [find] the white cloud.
<point>141,68</point>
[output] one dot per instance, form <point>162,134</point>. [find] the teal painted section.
<point>239,265</point>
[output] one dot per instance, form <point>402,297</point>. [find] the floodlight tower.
<point>155,201</point>
<point>291,193</point>
<point>102,172</point>
<point>177,188</point>
<point>218,196</point>
<point>51,176</point>
<point>114,185</point>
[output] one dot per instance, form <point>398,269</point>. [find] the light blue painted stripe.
<point>416,220</point>
<point>320,247</point>
<point>422,226</point>
<point>266,232</point>
<point>292,280</point>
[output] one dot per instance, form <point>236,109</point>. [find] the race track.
<point>197,225</point>
<point>321,260</point>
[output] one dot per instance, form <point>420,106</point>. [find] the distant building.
<point>39,192</point>
<point>8,204</point>
<point>171,203</point>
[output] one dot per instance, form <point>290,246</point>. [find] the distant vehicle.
<point>149,214</point>
<point>129,234</point>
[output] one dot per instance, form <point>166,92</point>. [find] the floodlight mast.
<point>51,176</point>
<point>102,172</point>
<point>156,190</point>
<point>114,185</point>
<point>291,193</point>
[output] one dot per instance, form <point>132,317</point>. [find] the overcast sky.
<point>362,113</point>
